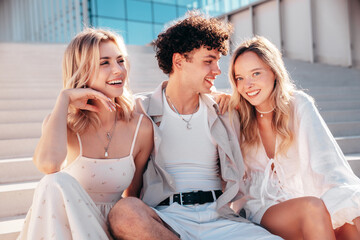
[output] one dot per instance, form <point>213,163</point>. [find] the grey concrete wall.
<point>355,31</point>
<point>242,23</point>
<point>296,29</point>
<point>331,32</point>
<point>324,31</point>
<point>41,20</point>
<point>266,21</point>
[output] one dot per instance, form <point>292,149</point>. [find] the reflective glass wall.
<point>139,21</point>
<point>220,7</point>
<point>54,21</point>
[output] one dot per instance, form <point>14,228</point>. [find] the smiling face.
<point>112,72</point>
<point>254,80</point>
<point>200,69</point>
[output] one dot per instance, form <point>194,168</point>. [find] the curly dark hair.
<point>191,33</point>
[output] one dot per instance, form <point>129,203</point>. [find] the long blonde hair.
<point>81,61</point>
<point>281,96</point>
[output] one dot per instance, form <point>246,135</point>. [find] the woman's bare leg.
<point>349,231</point>
<point>357,224</point>
<point>299,218</point>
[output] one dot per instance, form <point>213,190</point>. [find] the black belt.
<point>189,198</point>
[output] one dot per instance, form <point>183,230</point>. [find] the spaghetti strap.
<point>80,145</point>
<point>135,135</point>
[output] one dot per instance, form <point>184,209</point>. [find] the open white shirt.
<point>314,166</point>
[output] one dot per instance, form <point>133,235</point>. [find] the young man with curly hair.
<point>193,173</point>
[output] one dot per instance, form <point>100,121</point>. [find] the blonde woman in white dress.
<point>93,147</point>
<point>300,185</point>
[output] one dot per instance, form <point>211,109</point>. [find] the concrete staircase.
<point>30,80</point>
<point>336,92</point>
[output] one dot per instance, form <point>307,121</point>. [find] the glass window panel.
<point>111,23</point>
<point>166,1</point>
<point>187,3</point>
<point>111,8</point>
<point>118,26</point>
<point>138,10</point>
<point>93,7</point>
<point>235,4</point>
<point>164,13</point>
<point>215,7</point>
<point>182,11</point>
<point>158,28</point>
<point>140,33</point>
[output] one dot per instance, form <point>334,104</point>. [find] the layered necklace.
<point>262,113</point>
<point>187,121</point>
<point>109,136</point>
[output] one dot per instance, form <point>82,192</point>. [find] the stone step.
<point>344,128</point>
<point>17,148</point>
<point>32,84</point>
<point>29,185</point>
<point>338,97</point>
<point>349,144</point>
<point>354,162</point>
<point>20,130</point>
<point>340,115</point>
<point>16,170</point>
<point>306,82</point>
<point>23,116</point>
<point>24,93</point>
<point>16,198</point>
<point>28,96</point>
<point>140,49</point>
<point>338,105</point>
<point>26,146</point>
<point>336,90</point>
<point>31,74</point>
<point>309,75</point>
<point>10,227</point>
<point>26,104</point>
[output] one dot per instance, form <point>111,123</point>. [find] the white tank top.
<point>104,179</point>
<point>190,154</point>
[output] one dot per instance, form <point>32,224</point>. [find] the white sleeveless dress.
<point>74,203</point>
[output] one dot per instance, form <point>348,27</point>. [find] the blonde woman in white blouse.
<point>299,184</point>
<point>93,146</point>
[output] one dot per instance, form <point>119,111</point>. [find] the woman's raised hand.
<point>78,98</point>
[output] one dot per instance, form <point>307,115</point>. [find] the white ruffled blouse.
<point>314,166</point>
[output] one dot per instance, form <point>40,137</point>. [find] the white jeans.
<point>203,222</point>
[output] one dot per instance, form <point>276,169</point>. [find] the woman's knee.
<point>315,212</point>
<point>314,205</point>
<point>57,179</point>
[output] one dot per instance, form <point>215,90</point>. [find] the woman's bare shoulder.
<point>146,127</point>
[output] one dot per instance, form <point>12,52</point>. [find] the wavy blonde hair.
<point>81,61</point>
<point>281,96</point>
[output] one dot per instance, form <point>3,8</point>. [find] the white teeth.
<point>209,80</point>
<point>253,93</point>
<point>115,82</point>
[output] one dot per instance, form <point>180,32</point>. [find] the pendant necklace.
<point>109,136</point>
<point>262,113</point>
<point>188,125</point>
